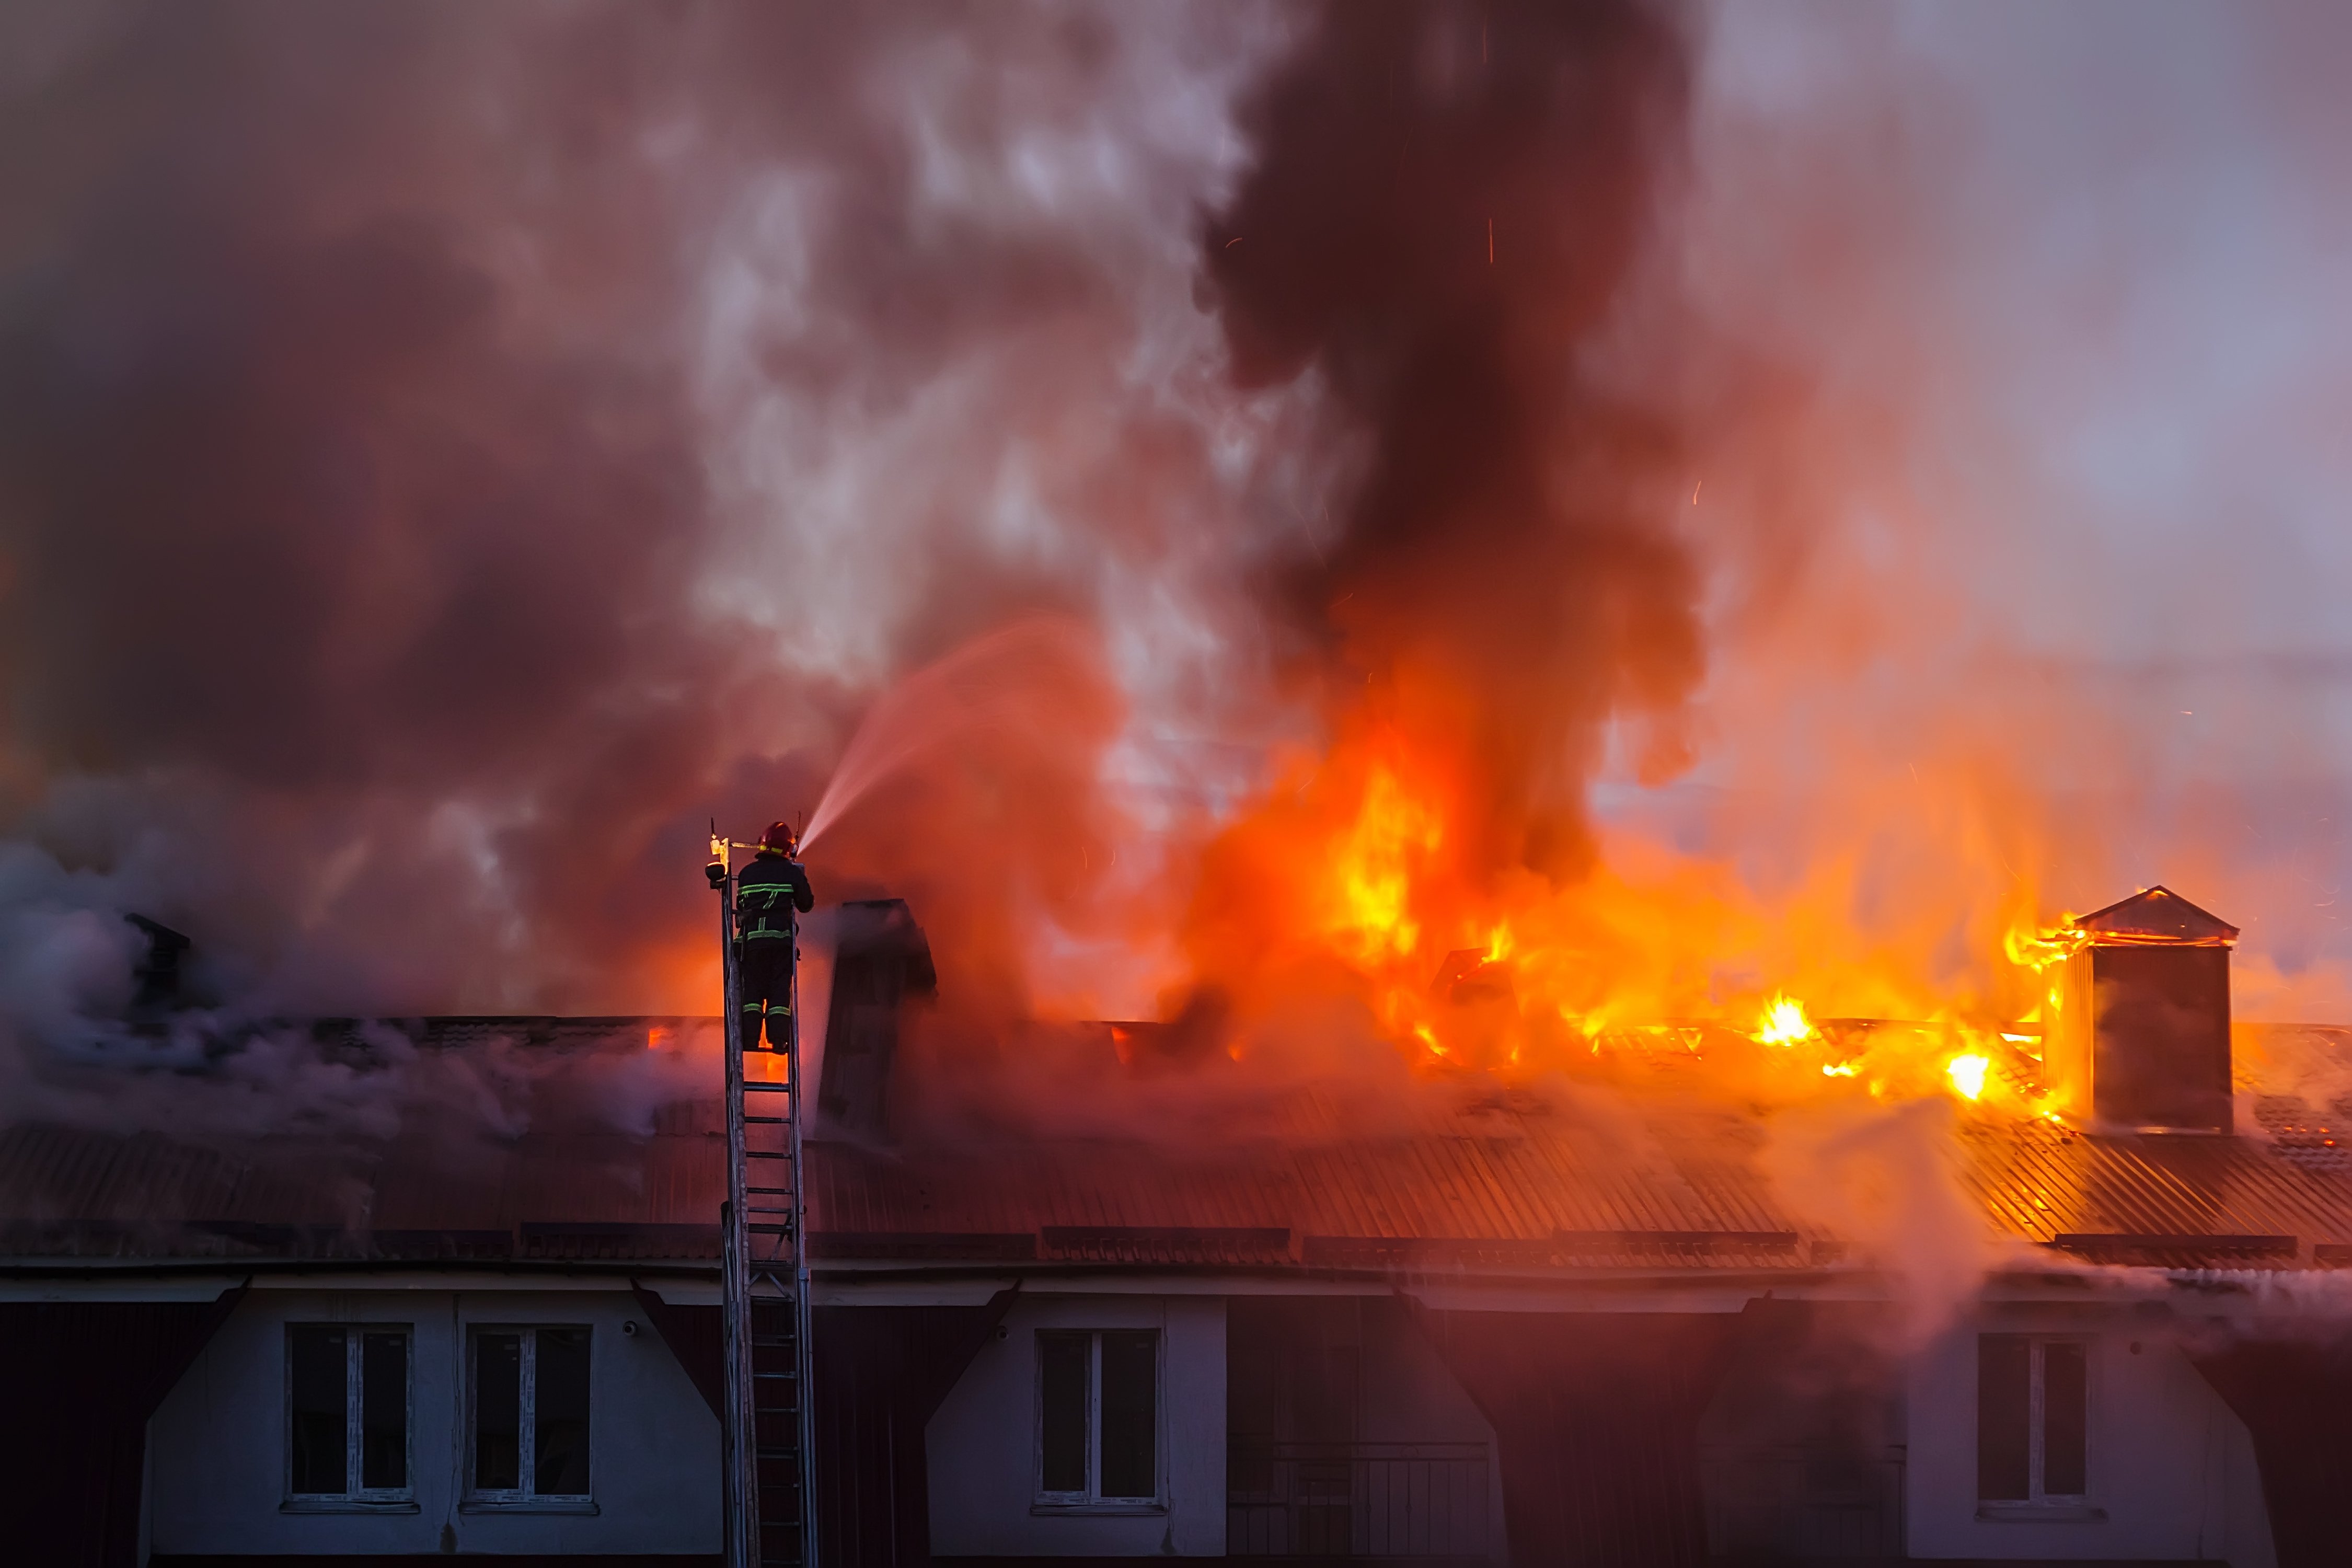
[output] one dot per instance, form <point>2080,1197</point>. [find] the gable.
<point>2156,915</point>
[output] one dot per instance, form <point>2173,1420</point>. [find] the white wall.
<point>218,1445</point>
<point>2170,1466</point>
<point>983,1443</point>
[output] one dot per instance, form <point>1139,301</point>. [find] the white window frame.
<point>523,1495</point>
<point>2037,1431</point>
<point>2039,1502</point>
<point>354,1417</point>
<point>1091,1500</point>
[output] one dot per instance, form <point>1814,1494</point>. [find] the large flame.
<point>1356,876</point>
<point>1784,1022</point>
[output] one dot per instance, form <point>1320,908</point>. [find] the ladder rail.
<point>764,1244</point>
<point>738,1461</point>
<point>803,1318</point>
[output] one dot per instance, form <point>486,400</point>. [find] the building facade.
<point>1087,1359</point>
<point>1503,1331</point>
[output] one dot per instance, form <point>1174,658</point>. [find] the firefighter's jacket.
<point>767,892</point>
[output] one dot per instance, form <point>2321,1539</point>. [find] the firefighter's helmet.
<point>780,837</point>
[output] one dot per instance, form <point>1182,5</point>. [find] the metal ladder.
<point>769,1449</point>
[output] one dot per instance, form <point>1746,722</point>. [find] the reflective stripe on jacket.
<point>770,888</point>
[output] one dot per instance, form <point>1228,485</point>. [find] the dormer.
<point>2141,1042</point>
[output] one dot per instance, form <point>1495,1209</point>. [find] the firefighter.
<point>770,888</point>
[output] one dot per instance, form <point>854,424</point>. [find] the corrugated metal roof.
<point>2117,1197</point>
<point>1667,1185</point>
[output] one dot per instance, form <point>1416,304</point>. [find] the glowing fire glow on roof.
<point>1784,1022</point>
<point>1967,1074</point>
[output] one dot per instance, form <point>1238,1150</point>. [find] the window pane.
<point>498,1412</point>
<point>2066,1388</point>
<point>1062,1379</point>
<point>318,1374</point>
<point>560,1414</point>
<point>1130,1417</point>
<point>2004,1375</point>
<point>383,1410</point>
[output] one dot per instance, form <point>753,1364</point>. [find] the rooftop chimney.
<point>158,971</point>
<point>881,961</point>
<point>2141,1042</point>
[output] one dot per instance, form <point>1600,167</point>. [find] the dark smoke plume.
<point>447,455</point>
<point>1446,209</point>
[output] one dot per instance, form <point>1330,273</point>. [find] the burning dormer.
<point>2141,1042</point>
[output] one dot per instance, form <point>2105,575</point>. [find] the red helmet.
<point>780,836</point>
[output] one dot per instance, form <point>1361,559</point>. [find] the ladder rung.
<point>766,1085</point>
<point>775,1376</point>
<point>770,1192</point>
<point>770,1121</point>
<point>770,1229</point>
<point>767,1154</point>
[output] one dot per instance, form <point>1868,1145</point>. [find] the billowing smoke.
<point>449,456</point>
<point>1442,224</point>
<point>446,457</point>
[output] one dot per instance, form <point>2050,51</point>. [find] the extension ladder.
<point>769,1433</point>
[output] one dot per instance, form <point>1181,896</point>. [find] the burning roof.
<point>1516,1184</point>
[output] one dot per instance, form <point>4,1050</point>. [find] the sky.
<point>2083,260</point>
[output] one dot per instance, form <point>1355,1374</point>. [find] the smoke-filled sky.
<point>448,454</point>
<point>2055,287</point>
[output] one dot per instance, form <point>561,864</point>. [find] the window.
<point>1099,1417</point>
<point>2032,1419</point>
<point>347,1411</point>
<point>527,1438</point>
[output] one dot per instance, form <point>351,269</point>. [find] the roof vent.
<point>2141,1042</point>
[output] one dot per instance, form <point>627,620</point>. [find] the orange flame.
<point>1372,915</point>
<point>1366,877</point>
